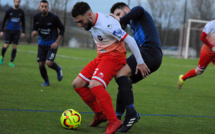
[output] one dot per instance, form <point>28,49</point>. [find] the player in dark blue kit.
<point>46,25</point>
<point>146,35</point>
<point>14,17</point>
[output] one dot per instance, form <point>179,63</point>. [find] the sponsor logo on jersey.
<point>49,24</point>
<point>45,31</point>
<point>119,33</point>
<point>15,19</point>
<point>100,37</point>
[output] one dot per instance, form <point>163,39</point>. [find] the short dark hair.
<point>44,1</point>
<point>80,8</point>
<point>118,5</point>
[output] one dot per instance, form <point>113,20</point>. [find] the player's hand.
<point>213,49</point>
<point>34,33</point>
<point>143,69</point>
<point>116,17</point>
<point>22,35</point>
<point>1,34</point>
<point>54,45</point>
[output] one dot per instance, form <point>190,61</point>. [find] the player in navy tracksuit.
<point>46,26</point>
<point>146,35</point>
<point>14,17</point>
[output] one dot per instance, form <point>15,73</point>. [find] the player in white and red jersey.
<point>207,53</point>
<point>92,81</point>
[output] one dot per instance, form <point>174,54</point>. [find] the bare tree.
<point>202,9</point>
<point>167,15</point>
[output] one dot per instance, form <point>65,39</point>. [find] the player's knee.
<point>14,46</point>
<point>78,82</point>
<point>41,64</point>
<point>124,71</point>
<point>49,63</point>
<point>75,84</point>
<point>6,45</point>
<point>198,72</point>
<point>94,83</point>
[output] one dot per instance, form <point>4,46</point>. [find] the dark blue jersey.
<point>14,17</point>
<point>143,27</point>
<point>47,27</point>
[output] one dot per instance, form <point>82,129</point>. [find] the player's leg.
<point>50,63</point>
<point>8,40</point>
<point>3,51</point>
<point>125,98</point>
<point>204,60</point>
<point>104,72</point>
<point>41,58</point>
<point>153,58</point>
<point>80,85</point>
<point>15,38</point>
<point>13,55</point>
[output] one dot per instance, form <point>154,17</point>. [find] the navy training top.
<point>143,27</point>
<point>14,17</point>
<point>47,28</point>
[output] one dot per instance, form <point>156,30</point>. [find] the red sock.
<point>105,102</point>
<point>191,73</point>
<point>89,99</point>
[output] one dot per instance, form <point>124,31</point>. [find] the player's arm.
<point>136,51</point>
<point>61,33</point>
<point>23,25</point>
<point>205,41</point>
<point>135,13</point>
<point>119,34</point>
<point>3,23</point>
<point>207,29</point>
<point>35,28</point>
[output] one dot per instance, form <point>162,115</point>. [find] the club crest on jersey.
<point>101,75</point>
<point>100,38</point>
<point>109,26</point>
<point>119,33</point>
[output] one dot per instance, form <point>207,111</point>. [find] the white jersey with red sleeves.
<point>108,34</point>
<point>210,27</point>
<point>210,31</point>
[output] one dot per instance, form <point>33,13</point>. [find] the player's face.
<point>16,3</point>
<point>120,12</point>
<point>83,21</point>
<point>44,8</point>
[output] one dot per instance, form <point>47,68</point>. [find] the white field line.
<point>61,56</point>
<point>78,58</point>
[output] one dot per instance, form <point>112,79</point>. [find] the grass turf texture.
<point>165,109</point>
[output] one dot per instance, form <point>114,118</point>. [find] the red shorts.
<point>103,68</point>
<point>206,56</point>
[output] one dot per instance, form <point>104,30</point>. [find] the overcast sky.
<point>96,5</point>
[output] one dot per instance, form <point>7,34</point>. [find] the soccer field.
<point>28,108</point>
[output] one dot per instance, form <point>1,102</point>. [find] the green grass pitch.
<point>28,108</point>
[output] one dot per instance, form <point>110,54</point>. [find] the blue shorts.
<point>46,53</point>
<point>152,58</point>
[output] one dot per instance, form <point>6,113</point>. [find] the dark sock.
<point>120,107</point>
<point>130,111</point>
<point>125,94</point>
<point>43,73</point>
<point>55,67</point>
<point>13,55</point>
<point>3,51</point>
